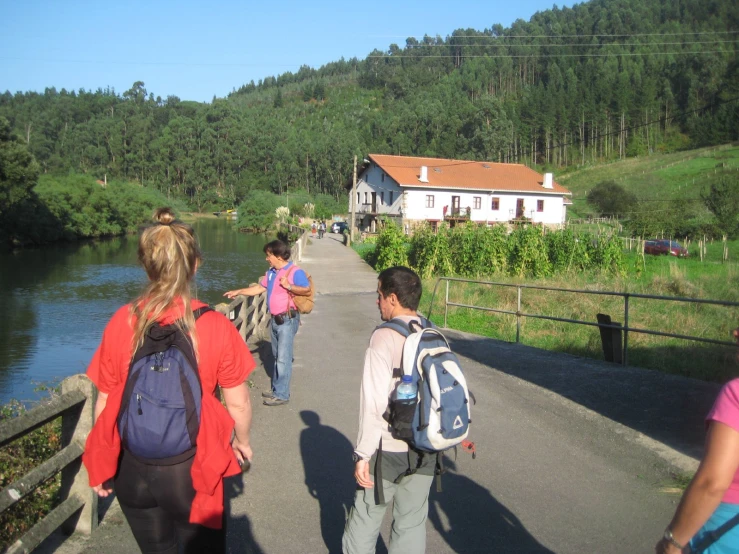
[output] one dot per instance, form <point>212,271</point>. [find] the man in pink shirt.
<point>282,280</point>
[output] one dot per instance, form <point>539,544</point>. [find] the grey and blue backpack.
<point>440,417</point>
<point>159,417</point>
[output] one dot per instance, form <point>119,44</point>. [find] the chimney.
<point>424,178</point>
<point>548,181</point>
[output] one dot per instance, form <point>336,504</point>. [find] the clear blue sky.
<point>196,50</point>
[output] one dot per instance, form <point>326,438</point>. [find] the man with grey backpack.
<point>393,460</point>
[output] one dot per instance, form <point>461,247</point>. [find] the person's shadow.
<point>263,351</point>
<point>471,520</point>
<point>239,535</point>
<point>329,475</point>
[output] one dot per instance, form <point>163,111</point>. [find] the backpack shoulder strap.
<point>397,325</point>
<point>426,323</point>
<point>202,310</point>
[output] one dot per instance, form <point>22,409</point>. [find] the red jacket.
<point>223,359</point>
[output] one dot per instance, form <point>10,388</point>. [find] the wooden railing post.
<point>76,425</point>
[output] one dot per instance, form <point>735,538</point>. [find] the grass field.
<point>662,277</point>
<point>658,177</point>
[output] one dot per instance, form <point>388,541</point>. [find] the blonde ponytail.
<point>169,253</point>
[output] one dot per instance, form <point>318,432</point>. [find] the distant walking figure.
<point>398,295</point>
<point>170,501</point>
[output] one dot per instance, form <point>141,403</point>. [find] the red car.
<point>659,247</point>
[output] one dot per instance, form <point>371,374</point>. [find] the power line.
<point>571,44</point>
<point>612,54</point>
<point>119,62</point>
<point>498,37</point>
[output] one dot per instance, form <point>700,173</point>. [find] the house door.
<point>374,202</point>
<point>455,205</point>
<point>519,208</point>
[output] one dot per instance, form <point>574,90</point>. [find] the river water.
<point>56,301</point>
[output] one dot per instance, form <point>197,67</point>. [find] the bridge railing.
<point>625,328</point>
<point>78,510</point>
<point>249,314</point>
<point>298,247</point>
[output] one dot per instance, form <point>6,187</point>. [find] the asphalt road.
<point>573,455</point>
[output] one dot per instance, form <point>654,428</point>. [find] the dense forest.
<point>600,81</point>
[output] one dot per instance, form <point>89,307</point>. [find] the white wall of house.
<point>388,195</point>
<point>428,204</point>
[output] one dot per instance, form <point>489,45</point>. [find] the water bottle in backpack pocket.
<point>403,408</point>
<point>159,417</point>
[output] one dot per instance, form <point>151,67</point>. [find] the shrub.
<point>391,247</point>
<point>257,211</point>
<point>429,252</point>
<point>611,199</point>
<point>528,253</point>
<point>17,459</point>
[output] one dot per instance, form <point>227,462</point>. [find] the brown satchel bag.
<point>304,304</point>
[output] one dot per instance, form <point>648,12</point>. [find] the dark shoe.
<point>268,394</point>
<point>275,401</point>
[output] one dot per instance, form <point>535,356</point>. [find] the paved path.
<point>573,454</point>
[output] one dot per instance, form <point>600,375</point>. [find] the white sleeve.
<point>374,393</point>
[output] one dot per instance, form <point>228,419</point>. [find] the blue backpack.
<point>439,419</point>
<point>159,417</point>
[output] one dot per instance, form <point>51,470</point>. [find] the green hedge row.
<point>472,250</point>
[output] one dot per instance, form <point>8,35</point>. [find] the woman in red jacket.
<point>178,501</point>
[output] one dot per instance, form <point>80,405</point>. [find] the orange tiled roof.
<point>464,174</point>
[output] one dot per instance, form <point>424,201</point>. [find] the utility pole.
<point>353,201</point>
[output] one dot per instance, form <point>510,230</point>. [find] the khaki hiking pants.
<point>410,510</point>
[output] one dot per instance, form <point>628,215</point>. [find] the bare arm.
<point>707,488</point>
<point>100,404</point>
<point>300,291</point>
<point>294,289</point>
<point>252,290</point>
<point>106,488</point>
<point>238,404</point>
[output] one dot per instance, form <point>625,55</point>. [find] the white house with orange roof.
<point>414,190</point>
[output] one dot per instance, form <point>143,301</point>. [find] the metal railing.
<point>75,406</point>
<point>625,295</point>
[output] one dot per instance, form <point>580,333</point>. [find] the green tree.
<point>722,198</point>
<point>257,212</point>
<point>611,199</point>
<point>18,169</point>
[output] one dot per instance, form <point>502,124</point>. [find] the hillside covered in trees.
<point>603,80</point>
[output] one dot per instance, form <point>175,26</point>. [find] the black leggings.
<point>156,501</point>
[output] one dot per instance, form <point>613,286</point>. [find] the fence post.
<point>518,316</point>
<point>446,303</point>
<point>625,356</point>
<point>76,425</point>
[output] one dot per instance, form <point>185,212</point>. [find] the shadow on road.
<point>266,359</point>
<point>239,535</point>
<point>470,520</point>
<point>327,460</point>
<point>663,407</point>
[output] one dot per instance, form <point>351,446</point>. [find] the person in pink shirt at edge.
<point>282,281</point>
<point>707,518</point>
